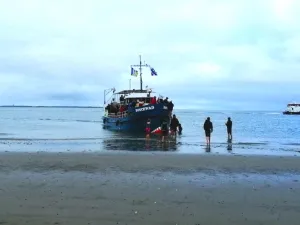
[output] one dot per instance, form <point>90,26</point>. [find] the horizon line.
<point>49,106</point>
<point>99,107</point>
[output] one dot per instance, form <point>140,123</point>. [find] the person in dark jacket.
<point>179,129</point>
<point>122,98</point>
<point>229,128</point>
<point>208,128</point>
<point>174,124</point>
<point>170,106</point>
<point>166,101</point>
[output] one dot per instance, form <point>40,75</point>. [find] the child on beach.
<point>148,128</point>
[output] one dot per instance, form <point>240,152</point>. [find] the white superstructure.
<point>292,108</point>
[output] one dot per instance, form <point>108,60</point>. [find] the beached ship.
<point>292,109</point>
<point>129,110</point>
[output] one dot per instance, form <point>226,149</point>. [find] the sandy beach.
<point>147,188</point>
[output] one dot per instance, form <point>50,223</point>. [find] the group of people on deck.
<point>119,107</point>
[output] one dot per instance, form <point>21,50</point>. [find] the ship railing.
<point>118,115</point>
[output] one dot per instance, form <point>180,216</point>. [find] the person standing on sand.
<point>229,128</point>
<point>208,128</point>
<point>174,124</point>
<point>179,129</point>
<point>164,129</point>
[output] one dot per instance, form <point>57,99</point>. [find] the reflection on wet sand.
<point>207,149</point>
<point>229,145</point>
<point>128,143</point>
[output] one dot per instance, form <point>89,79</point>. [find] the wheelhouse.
<point>128,96</point>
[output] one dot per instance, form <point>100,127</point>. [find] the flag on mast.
<point>134,72</point>
<point>153,72</point>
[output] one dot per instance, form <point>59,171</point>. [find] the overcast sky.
<point>209,54</point>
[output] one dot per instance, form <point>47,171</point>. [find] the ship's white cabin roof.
<point>137,95</point>
<point>293,104</point>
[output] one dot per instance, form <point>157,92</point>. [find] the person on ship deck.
<point>122,98</point>
<point>170,107</point>
<point>132,103</point>
<point>166,101</point>
<point>153,100</point>
<point>122,108</point>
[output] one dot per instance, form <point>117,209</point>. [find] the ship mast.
<point>140,68</point>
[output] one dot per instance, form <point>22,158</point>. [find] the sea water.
<point>33,129</point>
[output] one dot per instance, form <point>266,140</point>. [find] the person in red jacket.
<point>148,128</point>
<point>153,100</point>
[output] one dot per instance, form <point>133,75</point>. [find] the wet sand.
<point>146,188</point>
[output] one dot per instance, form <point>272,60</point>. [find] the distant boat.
<point>292,109</point>
<point>130,109</point>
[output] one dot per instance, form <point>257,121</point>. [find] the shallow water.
<point>80,129</point>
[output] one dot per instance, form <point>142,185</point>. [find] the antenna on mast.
<point>140,68</point>
<point>141,79</point>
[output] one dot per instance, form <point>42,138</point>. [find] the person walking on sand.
<point>208,128</point>
<point>229,128</point>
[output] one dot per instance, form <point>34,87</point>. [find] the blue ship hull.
<point>135,119</point>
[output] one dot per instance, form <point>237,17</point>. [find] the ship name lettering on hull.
<point>145,109</point>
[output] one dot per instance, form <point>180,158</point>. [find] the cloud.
<point>208,53</point>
